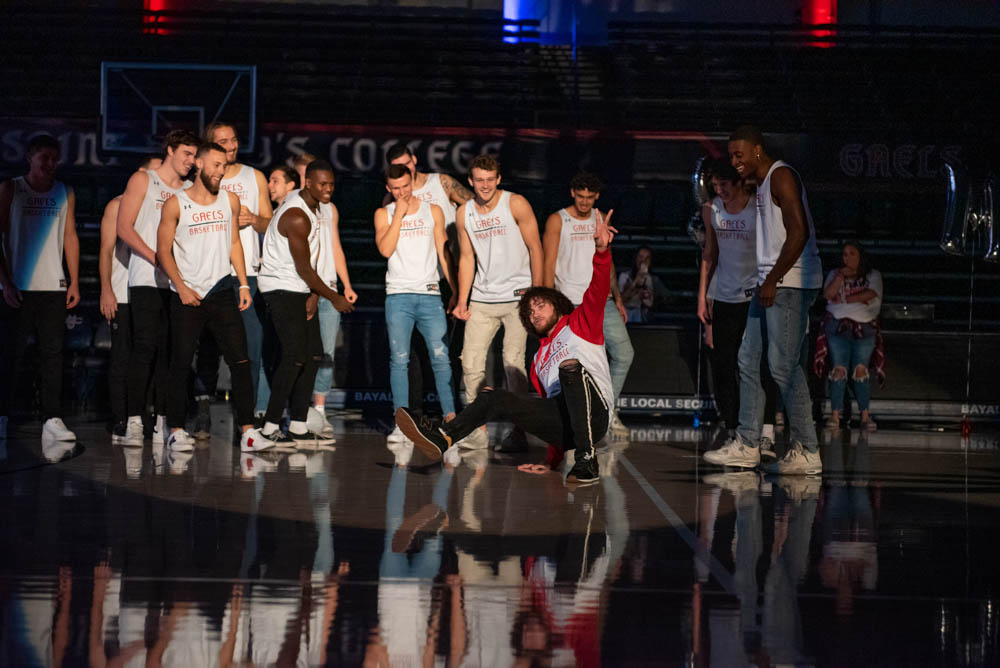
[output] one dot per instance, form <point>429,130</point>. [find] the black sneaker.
<point>310,438</point>
<point>118,433</point>
<point>431,442</point>
<point>514,442</point>
<point>280,438</point>
<point>584,471</point>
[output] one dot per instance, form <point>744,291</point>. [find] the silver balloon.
<point>699,186</point>
<point>957,211</point>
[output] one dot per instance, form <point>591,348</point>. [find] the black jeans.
<point>149,360</point>
<point>206,366</point>
<point>575,418</point>
<point>220,315</point>
<point>121,349</point>
<point>728,324</point>
<point>43,314</point>
<point>301,353</point>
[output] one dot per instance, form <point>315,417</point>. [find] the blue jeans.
<point>329,325</point>
<point>619,347</point>
<point>782,328</point>
<point>849,353</point>
<point>402,313</point>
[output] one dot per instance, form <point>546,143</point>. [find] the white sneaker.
<point>133,464</point>
<point>55,430</point>
<point>297,462</point>
<point>617,426</point>
<point>397,436</point>
<point>734,453</point>
<point>160,431</point>
<point>317,423</point>
<point>133,432</point>
<point>402,451</point>
<point>57,450</point>
<point>178,460</point>
<point>477,440</point>
<point>254,441</point>
<point>737,482</point>
<point>797,461</point>
<point>180,440</point>
<point>251,465</point>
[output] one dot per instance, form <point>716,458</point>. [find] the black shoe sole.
<point>409,428</point>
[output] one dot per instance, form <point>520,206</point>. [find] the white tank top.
<point>433,192</point>
<point>503,269</point>
<point>807,272</point>
<point>413,266</point>
<point>575,259</point>
<point>35,241</point>
<point>203,242</point>
<point>140,272</point>
<point>735,275</point>
<point>244,186</point>
<point>119,271</point>
<point>277,269</point>
<point>325,266</point>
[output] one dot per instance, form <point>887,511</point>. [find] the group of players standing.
<point>184,271</point>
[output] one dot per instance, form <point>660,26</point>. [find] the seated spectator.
<point>850,332</point>
<point>642,291</point>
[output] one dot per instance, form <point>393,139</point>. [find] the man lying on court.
<point>570,372</point>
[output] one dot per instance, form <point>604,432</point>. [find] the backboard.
<point>141,102</point>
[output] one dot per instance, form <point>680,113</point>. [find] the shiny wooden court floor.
<point>343,556</point>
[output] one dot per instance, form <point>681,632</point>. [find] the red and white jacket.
<point>579,336</point>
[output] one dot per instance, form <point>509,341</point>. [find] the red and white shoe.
<point>254,441</point>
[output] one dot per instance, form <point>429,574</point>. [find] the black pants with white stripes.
<point>573,419</point>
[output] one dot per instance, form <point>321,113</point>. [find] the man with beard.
<point>197,246</point>
<point>149,291</point>
<point>292,288</point>
<point>37,231</point>
<point>501,257</point>
<point>570,372</point>
<point>255,212</point>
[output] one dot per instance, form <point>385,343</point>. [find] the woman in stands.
<point>850,332</point>
<point>641,289</point>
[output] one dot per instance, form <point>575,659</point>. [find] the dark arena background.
<point>363,553</point>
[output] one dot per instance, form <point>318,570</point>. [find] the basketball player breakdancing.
<point>198,240</point>
<point>570,371</point>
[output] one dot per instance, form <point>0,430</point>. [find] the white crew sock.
<point>767,431</point>
<point>269,428</point>
<point>297,427</point>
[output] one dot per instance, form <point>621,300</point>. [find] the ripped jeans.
<point>846,355</point>
<point>425,312</point>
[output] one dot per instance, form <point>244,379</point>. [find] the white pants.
<point>484,322</point>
